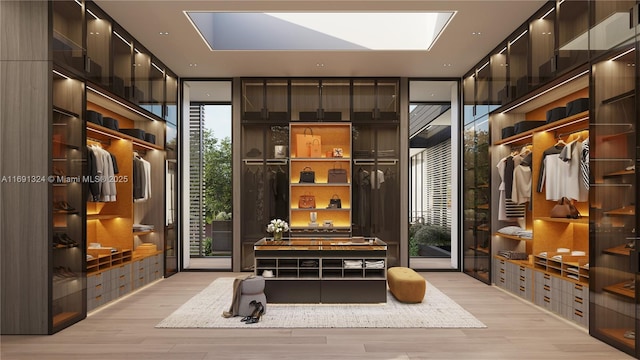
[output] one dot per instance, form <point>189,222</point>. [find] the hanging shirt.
<point>556,149</point>
<point>571,179</point>
<point>521,187</point>
<point>584,163</point>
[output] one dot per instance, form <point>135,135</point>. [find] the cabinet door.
<point>122,59</point>
<point>387,100</point>
<point>253,100</point>
<point>68,207</point>
<point>155,103</point>
<point>573,24</point>
<point>335,100</point>
<point>376,187</point>
<point>265,180</point>
<point>305,100</point>
<point>265,100</point>
<point>98,45</point>
<point>477,235</point>
<point>375,100</point>
<point>68,35</point>
<point>364,100</point>
<point>543,59</point>
<point>499,90</point>
<point>518,62</point>
<point>171,100</point>
<point>142,77</point>
<point>276,102</point>
<point>613,236</point>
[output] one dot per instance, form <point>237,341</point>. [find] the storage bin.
<point>94,117</point>
<point>577,106</point>
<point>526,125</point>
<point>136,133</point>
<point>508,131</point>
<point>110,123</point>
<point>151,138</point>
<point>556,114</point>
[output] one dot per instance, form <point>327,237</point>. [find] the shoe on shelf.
<point>57,242</point>
<point>68,241</point>
<point>63,206</point>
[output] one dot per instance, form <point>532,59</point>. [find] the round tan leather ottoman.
<point>406,285</point>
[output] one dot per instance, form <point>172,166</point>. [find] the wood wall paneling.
<point>24,224</point>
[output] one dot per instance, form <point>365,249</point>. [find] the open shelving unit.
<point>332,270</point>
<point>331,139</point>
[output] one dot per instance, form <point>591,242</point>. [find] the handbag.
<point>564,209</point>
<point>316,148</point>
<point>307,201</point>
<point>337,175</point>
<point>307,175</point>
<point>335,202</point>
<point>308,145</point>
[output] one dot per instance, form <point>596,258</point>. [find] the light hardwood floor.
<point>125,330</point>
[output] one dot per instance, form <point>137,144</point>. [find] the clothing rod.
<point>268,162</point>
<point>372,162</point>
<point>106,142</point>
<point>253,162</point>
<point>522,146</point>
<point>571,132</point>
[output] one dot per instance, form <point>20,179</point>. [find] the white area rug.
<point>436,311</point>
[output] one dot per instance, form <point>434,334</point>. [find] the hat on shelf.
<point>254,152</point>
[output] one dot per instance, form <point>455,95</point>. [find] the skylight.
<point>414,31</point>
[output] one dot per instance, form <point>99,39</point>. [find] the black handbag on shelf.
<point>335,202</point>
<point>307,175</point>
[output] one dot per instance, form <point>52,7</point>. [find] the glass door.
<point>209,185</point>
<point>68,251</point>
<point>613,177</point>
<point>432,113</point>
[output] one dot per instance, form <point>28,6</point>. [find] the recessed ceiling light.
<point>446,65</point>
<point>319,65</point>
<point>476,33</point>
<point>193,65</point>
<point>164,33</point>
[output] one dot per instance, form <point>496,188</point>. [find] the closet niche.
<point>125,217</point>
<point>540,257</point>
